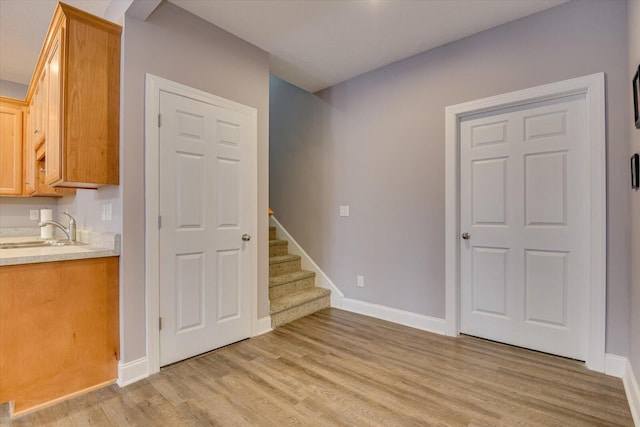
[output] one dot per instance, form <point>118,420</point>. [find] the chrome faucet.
<point>70,232</point>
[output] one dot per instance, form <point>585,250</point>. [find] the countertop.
<point>93,245</point>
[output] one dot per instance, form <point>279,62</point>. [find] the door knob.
<point>246,237</point>
<point>466,236</point>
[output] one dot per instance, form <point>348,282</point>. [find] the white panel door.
<point>523,189</point>
<point>204,267</point>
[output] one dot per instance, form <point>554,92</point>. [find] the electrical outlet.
<point>34,215</point>
<point>360,281</point>
<point>344,210</point>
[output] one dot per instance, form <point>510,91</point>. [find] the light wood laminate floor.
<point>340,368</point>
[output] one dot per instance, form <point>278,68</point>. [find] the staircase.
<point>292,291</point>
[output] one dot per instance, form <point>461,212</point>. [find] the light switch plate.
<point>360,281</point>
<point>344,210</point>
<point>106,211</point>
<point>34,215</point>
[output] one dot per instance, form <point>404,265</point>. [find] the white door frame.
<point>153,86</point>
<point>592,87</point>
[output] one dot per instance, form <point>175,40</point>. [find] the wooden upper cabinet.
<point>40,129</point>
<point>34,144</point>
<point>78,86</point>
<point>29,162</point>
<point>52,69</point>
<point>11,137</point>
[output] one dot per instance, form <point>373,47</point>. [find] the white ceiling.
<point>313,44</point>
<point>23,27</point>
<point>316,44</point>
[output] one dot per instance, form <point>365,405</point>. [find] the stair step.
<point>283,264</point>
<point>278,247</point>
<point>298,298</point>
<point>290,277</point>
<point>290,283</point>
<point>283,258</point>
<point>272,233</point>
<point>294,306</point>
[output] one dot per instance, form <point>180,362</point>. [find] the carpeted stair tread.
<point>278,247</point>
<point>296,299</point>
<point>283,258</point>
<point>290,277</point>
<point>292,291</point>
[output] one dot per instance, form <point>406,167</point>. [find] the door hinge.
<point>159,221</point>
<point>159,119</point>
<point>160,323</point>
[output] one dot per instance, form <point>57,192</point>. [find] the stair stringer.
<point>322,280</point>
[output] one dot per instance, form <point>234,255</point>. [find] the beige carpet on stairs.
<point>292,291</point>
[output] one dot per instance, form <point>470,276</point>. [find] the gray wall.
<point>376,142</point>
<point>633,15</point>
<point>13,89</point>
<point>85,206</point>
<point>14,211</point>
<point>178,46</point>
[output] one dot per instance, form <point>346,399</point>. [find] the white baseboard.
<point>130,372</point>
<point>322,280</point>
<point>633,393</point>
<point>615,365</point>
<point>136,370</point>
<point>338,300</point>
<point>619,366</point>
<point>263,326</point>
<point>407,318</point>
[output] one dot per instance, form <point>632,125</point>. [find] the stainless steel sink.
<point>38,244</point>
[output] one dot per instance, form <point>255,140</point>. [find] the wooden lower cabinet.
<point>59,332</point>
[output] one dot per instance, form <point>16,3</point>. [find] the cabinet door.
<point>59,329</point>
<point>10,150</point>
<point>53,69</point>
<point>40,108</point>
<point>29,153</point>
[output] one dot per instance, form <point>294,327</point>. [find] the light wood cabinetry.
<point>34,153</point>
<point>71,114</point>
<point>40,107</point>
<point>53,163</point>
<point>29,162</point>
<point>58,329</point>
<point>81,60</point>
<point>11,148</point>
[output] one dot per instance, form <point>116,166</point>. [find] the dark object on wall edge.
<point>635,171</point>
<point>636,97</point>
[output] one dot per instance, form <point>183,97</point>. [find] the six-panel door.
<point>524,185</point>
<point>204,267</point>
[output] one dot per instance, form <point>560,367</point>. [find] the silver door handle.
<point>246,237</point>
<point>466,236</point>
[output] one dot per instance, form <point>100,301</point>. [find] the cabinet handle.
<point>35,131</point>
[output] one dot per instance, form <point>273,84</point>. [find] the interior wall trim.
<point>153,86</point>
<point>263,326</point>
<point>593,88</point>
<point>633,392</point>
<point>322,280</point>
<point>130,372</point>
<point>390,314</point>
